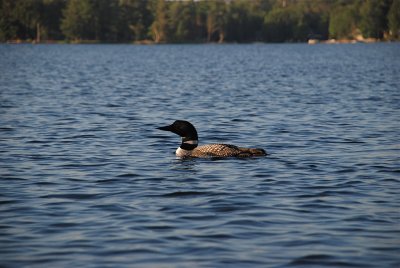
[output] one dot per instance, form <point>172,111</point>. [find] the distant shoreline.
<point>149,42</point>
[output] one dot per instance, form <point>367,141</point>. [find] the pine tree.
<point>394,19</point>
<point>78,22</point>
<point>159,28</point>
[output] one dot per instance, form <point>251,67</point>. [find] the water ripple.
<point>86,179</point>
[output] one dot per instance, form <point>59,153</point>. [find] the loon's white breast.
<point>183,153</point>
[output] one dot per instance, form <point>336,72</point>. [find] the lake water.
<point>86,179</point>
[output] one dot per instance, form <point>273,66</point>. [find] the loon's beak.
<point>166,128</point>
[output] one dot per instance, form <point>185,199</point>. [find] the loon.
<point>189,146</point>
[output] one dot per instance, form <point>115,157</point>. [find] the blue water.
<point>86,179</point>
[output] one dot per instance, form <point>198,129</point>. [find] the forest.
<point>197,21</point>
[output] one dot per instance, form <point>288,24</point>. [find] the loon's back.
<point>225,150</point>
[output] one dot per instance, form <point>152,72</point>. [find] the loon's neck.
<point>186,148</point>
<point>188,144</point>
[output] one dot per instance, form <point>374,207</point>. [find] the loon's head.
<point>183,128</point>
<point>186,130</point>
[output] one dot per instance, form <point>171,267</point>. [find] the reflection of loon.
<point>189,148</point>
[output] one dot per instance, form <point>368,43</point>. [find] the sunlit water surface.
<point>86,179</point>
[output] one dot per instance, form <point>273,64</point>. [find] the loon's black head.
<point>184,129</point>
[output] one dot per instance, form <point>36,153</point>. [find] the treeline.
<point>164,21</point>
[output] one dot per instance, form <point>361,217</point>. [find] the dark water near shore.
<point>87,181</point>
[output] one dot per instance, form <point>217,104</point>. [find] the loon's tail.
<point>246,152</point>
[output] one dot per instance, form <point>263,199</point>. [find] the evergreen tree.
<point>181,22</point>
<point>8,22</point>
<point>27,14</point>
<point>78,22</point>
<point>373,19</point>
<point>91,20</point>
<point>51,19</point>
<point>159,27</point>
<point>239,23</point>
<point>216,21</point>
<point>279,25</point>
<point>105,15</point>
<point>394,19</point>
<point>342,24</point>
<point>134,20</point>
